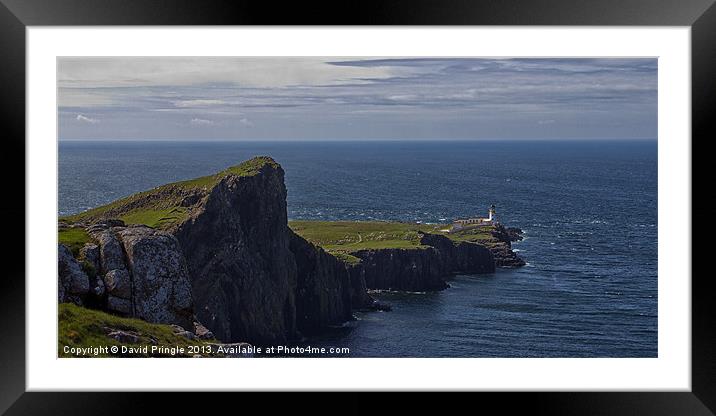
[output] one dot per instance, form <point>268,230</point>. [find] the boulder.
<point>161,291</point>
<point>130,337</point>
<point>111,251</point>
<point>73,283</point>
<point>90,253</point>
<point>202,332</point>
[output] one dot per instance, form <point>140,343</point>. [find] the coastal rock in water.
<point>323,292</point>
<point>514,233</point>
<point>160,290</point>
<point>502,247</point>
<point>73,283</point>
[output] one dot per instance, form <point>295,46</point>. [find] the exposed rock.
<point>111,251</point>
<point>117,283</point>
<point>124,336</point>
<point>160,288</point>
<point>90,253</point>
<point>202,332</point>
<point>97,288</point>
<point>122,306</point>
<point>73,283</point>
<point>514,233</point>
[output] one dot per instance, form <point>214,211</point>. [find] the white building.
<point>467,223</point>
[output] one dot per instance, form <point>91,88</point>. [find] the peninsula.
<point>217,259</point>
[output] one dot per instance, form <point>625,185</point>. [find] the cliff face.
<point>237,247</point>
<point>403,269</point>
<point>423,269</point>
<point>461,257</point>
<point>324,287</point>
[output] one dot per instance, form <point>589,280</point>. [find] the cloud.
<point>306,97</point>
<point>201,122</point>
<point>85,119</point>
<point>73,72</point>
<point>197,103</point>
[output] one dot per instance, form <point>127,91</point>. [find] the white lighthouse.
<point>466,223</point>
<point>492,215</point>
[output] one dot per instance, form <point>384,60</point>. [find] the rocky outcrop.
<point>73,282</point>
<point>501,247</point>
<point>133,271</point>
<point>158,275</point>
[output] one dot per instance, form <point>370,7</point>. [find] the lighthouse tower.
<point>492,215</point>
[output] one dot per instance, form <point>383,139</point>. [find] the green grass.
<point>250,167</point>
<point>341,238</point>
<point>74,239</point>
<point>477,235</point>
<point>351,236</point>
<point>82,327</point>
<point>162,206</point>
<point>155,218</point>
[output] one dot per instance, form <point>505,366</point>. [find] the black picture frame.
<point>16,15</point>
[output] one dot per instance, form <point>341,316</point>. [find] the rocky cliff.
<point>323,287</point>
<point>251,278</point>
<point>426,268</point>
<point>501,247</point>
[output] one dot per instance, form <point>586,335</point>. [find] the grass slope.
<point>73,238</point>
<point>82,327</point>
<point>162,206</point>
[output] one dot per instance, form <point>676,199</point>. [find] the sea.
<point>588,210</point>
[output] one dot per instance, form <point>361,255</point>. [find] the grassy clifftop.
<point>168,204</point>
<point>344,237</point>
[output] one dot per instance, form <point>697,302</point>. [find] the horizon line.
<point>365,139</point>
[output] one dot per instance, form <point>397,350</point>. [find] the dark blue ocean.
<point>588,209</point>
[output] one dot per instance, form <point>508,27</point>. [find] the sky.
<point>313,98</point>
